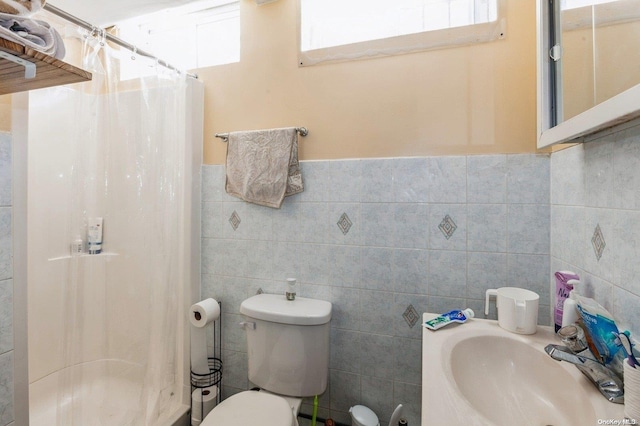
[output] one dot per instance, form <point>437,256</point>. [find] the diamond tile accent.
<point>598,242</point>
<point>344,223</point>
<point>260,291</point>
<point>411,316</point>
<point>447,227</point>
<point>234,220</point>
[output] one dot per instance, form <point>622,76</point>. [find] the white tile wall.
<point>487,179</point>
<point>393,257</point>
<point>6,285</point>
<point>6,388</point>
<point>6,262</point>
<point>598,184</point>
<point>6,316</point>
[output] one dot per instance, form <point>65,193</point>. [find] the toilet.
<point>288,357</point>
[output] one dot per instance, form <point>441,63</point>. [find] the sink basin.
<point>506,381</point>
<point>480,374</point>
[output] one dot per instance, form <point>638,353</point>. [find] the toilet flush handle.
<point>248,324</point>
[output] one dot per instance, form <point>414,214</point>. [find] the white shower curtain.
<point>113,149</point>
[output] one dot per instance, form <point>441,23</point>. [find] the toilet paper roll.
<point>199,362</point>
<point>202,402</point>
<point>202,313</point>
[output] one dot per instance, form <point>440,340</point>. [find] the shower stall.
<point>108,332</point>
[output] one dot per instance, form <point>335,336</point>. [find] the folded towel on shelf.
<point>36,34</point>
<point>262,166</point>
<point>21,7</point>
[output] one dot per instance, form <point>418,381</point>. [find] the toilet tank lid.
<point>276,308</point>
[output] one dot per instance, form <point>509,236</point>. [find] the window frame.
<point>409,43</point>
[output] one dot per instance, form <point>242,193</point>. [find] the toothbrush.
<point>626,344</point>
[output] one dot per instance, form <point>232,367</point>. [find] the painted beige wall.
<point>466,100</point>
<point>5,113</point>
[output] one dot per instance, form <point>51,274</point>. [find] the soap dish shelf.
<point>105,255</point>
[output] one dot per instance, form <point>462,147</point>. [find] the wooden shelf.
<point>49,71</point>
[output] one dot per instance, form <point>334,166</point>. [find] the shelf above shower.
<point>49,71</point>
<point>106,255</point>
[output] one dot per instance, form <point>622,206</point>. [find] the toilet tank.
<point>288,349</point>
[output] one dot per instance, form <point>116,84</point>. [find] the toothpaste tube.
<point>448,318</point>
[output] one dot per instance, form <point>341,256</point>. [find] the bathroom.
<point>424,187</point>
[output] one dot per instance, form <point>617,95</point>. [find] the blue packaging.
<point>600,326</point>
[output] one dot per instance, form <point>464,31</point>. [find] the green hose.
<point>315,410</point>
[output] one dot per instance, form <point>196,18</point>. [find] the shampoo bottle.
<point>94,235</point>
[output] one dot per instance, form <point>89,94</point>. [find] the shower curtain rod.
<point>302,131</point>
<point>77,21</point>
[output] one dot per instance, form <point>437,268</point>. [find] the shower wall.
<point>53,200</point>
<point>115,318</point>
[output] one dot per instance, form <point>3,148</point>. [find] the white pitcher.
<point>517,309</point>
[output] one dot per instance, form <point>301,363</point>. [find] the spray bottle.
<point>570,308</point>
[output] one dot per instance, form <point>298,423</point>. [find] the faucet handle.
<point>573,337</point>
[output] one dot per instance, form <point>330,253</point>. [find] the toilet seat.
<point>251,408</point>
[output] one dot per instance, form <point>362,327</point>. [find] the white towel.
<point>262,166</point>
<point>36,34</point>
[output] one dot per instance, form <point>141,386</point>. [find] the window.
<point>194,36</point>
<point>603,58</point>
<point>338,29</point>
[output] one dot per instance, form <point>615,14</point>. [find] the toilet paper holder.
<point>213,378</point>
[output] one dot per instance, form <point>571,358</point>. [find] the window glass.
<point>196,36</point>
<point>333,23</point>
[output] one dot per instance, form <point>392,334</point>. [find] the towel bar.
<point>302,131</point>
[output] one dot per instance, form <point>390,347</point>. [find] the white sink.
<point>479,374</point>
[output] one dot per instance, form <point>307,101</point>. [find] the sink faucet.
<point>577,353</point>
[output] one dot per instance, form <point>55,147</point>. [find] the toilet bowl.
<point>252,408</point>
